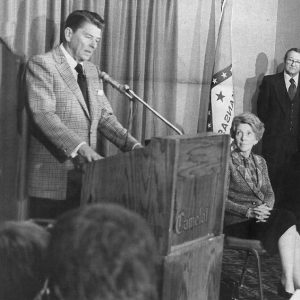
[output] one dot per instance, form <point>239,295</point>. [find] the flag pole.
<point>221,106</point>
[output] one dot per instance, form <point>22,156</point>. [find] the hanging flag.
<point>221,106</point>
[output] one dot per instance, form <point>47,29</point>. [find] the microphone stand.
<point>133,96</point>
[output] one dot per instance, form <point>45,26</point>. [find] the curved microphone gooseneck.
<point>125,89</point>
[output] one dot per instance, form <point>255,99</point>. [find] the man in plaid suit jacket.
<point>64,126</point>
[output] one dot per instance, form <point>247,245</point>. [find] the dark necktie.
<point>292,89</point>
<point>81,79</point>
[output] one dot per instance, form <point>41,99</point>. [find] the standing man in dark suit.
<point>68,108</point>
<point>279,108</point>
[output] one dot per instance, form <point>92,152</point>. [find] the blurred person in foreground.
<point>102,251</point>
<point>249,209</point>
<point>23,248</point>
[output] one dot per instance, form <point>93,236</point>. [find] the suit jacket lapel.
<point>245,174</point>
<point>258,164</point>
<point>283,96</point>
<point>259,170</point>
<point>66,73</point>
<point>240,167</point>
<point>92,81</point>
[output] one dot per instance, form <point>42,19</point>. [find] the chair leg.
<point>244,270</point>
<point>258,261</point>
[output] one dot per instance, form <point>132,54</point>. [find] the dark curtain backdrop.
<point>138,48</point>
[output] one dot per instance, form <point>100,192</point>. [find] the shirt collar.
<point>287,78</point>
<point>236,154</point>
<point>70,60</point>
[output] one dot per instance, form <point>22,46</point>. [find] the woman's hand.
<point>261,213</point>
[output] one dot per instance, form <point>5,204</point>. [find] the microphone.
<point>125,89</point>
<point>118,86</point>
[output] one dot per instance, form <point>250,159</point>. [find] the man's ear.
<point>68,33</point>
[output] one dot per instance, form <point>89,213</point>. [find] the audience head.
<point>252,120</point>
<point>22,260</point>
<point>102,251</point>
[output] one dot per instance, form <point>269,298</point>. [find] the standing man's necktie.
<point>292,89</point>
<point>81,79</point>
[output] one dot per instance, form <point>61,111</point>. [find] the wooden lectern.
<point>179,185</point>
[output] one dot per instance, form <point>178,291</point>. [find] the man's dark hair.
<point>78,17</point>
<point>102,251</point>
<point>292,49</point>
<point>23,247</point>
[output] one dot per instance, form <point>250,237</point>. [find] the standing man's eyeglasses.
<point>290,61</point>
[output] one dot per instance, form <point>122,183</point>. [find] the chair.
<point>254,247</point>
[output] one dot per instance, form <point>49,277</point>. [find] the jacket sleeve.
<point>268,191</point>
<point>112,129</point>
<point>231,206</point>
<point>235,208</point>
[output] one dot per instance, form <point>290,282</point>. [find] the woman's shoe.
<point>282,292</point>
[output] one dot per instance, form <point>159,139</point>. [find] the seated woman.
<point>248,209</point>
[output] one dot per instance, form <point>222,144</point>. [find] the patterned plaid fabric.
<point>61,121</point>
<point>243,192</point>
<point>251,168</point>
